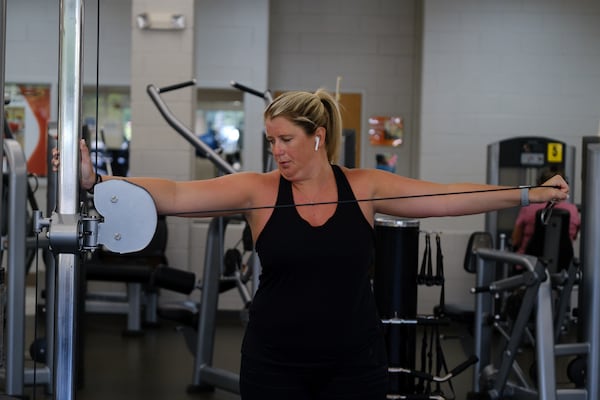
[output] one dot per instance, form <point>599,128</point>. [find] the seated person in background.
<point>525,223</point>
<point>385,163</point>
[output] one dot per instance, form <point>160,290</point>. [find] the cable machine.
<point>70,230</point>
<point>518,161</point>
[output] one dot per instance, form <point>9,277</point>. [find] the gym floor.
<point>155,365</point>
<point>158,365</point>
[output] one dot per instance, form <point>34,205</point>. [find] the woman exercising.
<point>313,331</point>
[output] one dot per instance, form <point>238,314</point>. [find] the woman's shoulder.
<point>256,177</point>
<point>259,181</point>
<point>357,176</point>
<point>364,181</point>
<point>369,175</point>
<point>359,173</point>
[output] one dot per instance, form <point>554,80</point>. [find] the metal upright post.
<point>50,260</point>
<point>15,299</point>
<point>2,65</point>
<point>590,306</point>
<point>65,222</point>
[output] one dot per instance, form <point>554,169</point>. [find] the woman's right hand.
<point>88,175</point>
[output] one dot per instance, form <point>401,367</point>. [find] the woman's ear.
<point>319,137</point>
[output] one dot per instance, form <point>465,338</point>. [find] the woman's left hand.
<point>554,189</point>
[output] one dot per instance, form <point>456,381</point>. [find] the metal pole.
<point>15,301</point>
<point>493,178</point>
<point>69,123</point>
<point>50,260</point>
<point>2,66</point>
<point>2,61</point>
<point>590,306</point>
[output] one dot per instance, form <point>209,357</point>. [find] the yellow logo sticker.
<point>555,152</point>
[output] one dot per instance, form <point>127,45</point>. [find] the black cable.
<point>35,324</point>
<point>321,203</point>
<point>429,281</point>
<point>97,78</point>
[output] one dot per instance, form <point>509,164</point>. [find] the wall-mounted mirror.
<point>220,124</point>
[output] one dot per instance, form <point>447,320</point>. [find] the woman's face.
<point>292,148</point>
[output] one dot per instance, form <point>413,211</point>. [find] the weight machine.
<point>493,382</point>
<point>205,376</point>
<point>503,378</point>
<point>70,230</point>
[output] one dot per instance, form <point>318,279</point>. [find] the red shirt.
<point>526,219</point>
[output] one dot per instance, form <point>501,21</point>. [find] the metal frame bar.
<point>544,342</point>
<point>545,348</point>
<point>590,306</point>
<point>205,376</point>
<point>183,130</point>
<point>15,283</point>
<point>15,374</point>
<point>2,67</point>
<point>69,123</point>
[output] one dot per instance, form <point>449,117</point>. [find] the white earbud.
<point>317,141</point>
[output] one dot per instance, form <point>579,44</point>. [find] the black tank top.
<point>314,304</point>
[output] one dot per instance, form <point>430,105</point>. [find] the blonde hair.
<point>310,111</point>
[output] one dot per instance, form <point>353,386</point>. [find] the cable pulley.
<point>125,223</point>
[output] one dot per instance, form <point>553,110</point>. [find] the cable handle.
<point>527,279</point>
<point>426,256</point>
<point>438,279</point>
<point>177,86</point>
<point>435,378</point>
<point>464,365</point>
<point>266,96</point>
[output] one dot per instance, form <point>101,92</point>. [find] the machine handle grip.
<point>247,89</point>
<point>480,289</point>
<point>464,365</point>
<point>176,86</point>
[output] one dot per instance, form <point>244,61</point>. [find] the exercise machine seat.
<point>130,267</point>
<point>551,241</point>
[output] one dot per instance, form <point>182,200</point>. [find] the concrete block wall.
<point>494,70</point>
<point>231,40</point>
<point>372,46</point>
<point>163,57</point>
<point>32,43</point>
